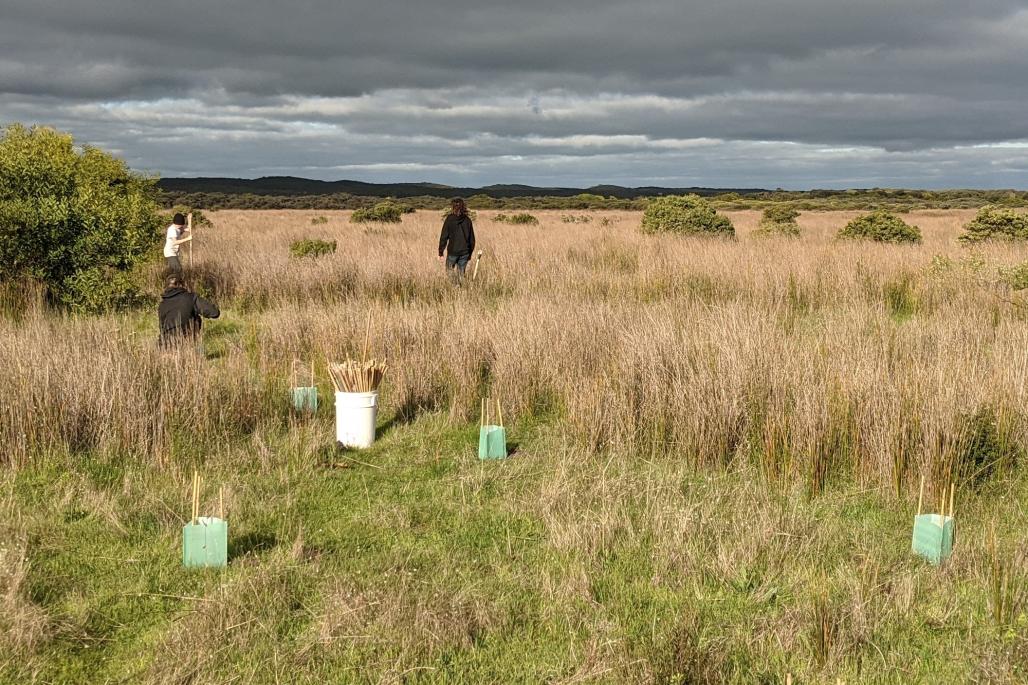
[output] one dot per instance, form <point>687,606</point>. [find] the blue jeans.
<point>456,264</point>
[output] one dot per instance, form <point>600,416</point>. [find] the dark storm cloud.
<point>583,90</point>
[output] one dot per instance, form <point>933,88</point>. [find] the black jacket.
<point>458,236</point>
<point>180,311</point>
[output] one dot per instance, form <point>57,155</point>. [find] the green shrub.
<point>76,221</point>
<point>995,223</point>
<point>780,214</point>
<point>575,219</point>
<point>381,213</point>
<point>523,219</point>
<point>319,220</point>
<point>779,220</point>
<point>882,227</point>
<point>1016,276</point>
<point>310,247</point>
<point>686,215</point>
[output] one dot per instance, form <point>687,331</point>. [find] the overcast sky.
<point>755,93</point>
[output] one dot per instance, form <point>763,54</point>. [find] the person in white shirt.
<point>174,239</point>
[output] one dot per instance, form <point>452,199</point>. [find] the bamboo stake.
<point>196,496</point>
<point>367,339</point>
<point>952,492</point>
<point>189,229</point>
<point>920,496</point>
<point>499,414</point>
<point>481,415</point>
<point>221,502</point>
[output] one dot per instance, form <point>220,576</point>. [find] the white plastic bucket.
<point>356,413</point>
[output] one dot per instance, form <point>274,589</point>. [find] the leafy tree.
<point>77,221</point>
<point>882,227</point>
<point>686,215</point>
<point>995,223</point>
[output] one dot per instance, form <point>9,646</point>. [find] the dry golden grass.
<point>822,357</point>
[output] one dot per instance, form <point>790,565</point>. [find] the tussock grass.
<point>718,447</point>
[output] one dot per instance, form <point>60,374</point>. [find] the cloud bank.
<point>786,93</point>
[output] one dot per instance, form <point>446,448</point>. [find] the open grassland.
<point>717,451</point>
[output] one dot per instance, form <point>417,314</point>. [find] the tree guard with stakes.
<point>492,437</point>
<point>934,533</point>
<point>305,397</point>
<point>205,538</point>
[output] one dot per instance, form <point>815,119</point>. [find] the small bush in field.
<point>685,215</point>
<point>523,219</point>
<point>312,248</point>
<point>1016,276</point>
<point>319,220</point>
<point>382,213</point>
<point>882,227</point>
<point>995,223</point>
<point>575,219</point>
<point>779,220</point>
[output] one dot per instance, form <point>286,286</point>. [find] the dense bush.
<point>522,219</point>
<point>75,220</point>
<point>995,222</point>
<point>685,214</point>
<point>310,247</point>
<point>882,227</point>
<point>779,220</point>
<point>382,213</point>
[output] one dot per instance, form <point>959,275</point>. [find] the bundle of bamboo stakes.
<point>358,376</point>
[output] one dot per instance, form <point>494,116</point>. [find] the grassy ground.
<point>588,556</point>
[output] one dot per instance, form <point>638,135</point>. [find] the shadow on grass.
<point>251,543</point>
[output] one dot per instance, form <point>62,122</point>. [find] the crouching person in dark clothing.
<point>181,312</point>
<point>457,240</point>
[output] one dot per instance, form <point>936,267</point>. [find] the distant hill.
<point>293,186</point>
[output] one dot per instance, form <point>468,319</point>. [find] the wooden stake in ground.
<point>189,229</point>
<point>367,340</point>
<point>474,272</point>
<point>196,496</point>
<point>920,497</point>
<point>952,492</point>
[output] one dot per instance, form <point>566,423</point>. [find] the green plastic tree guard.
<point>933,537</point>
<point>492,442</point>
<point>205,543</point>
<point>305,399</point>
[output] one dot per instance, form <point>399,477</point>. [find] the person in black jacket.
<point>181,312</point>
<point>457,239</point>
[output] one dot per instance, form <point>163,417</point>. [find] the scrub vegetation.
<point>716,453</point>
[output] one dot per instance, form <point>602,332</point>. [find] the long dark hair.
<point>458,207</point>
